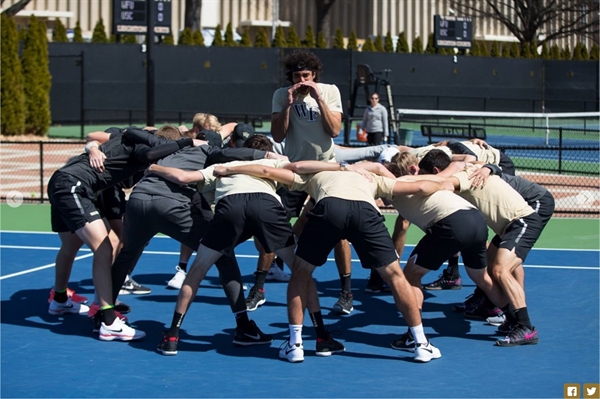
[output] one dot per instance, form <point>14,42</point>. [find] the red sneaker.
<point>71,294</point>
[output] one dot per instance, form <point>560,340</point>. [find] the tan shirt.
<point>239,183</point>
<point>306,137</point>
<point>345,185</point>
<point>420,152</point>
<point>488,155</point>
<point>497,200</point>
<point>426,211</point>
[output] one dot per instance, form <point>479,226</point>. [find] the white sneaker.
<point>294,353</point>
<point>276,274</point>
<point>177,280</point>
<point>120,331</point>
<point>57,308</point>
<point>426,352</point>
<point>496,320</point>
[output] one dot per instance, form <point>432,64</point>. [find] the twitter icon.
<point>591,390</point>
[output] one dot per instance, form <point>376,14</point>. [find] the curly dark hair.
<point>298,60</point>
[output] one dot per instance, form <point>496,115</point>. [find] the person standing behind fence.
<point>375,121</point>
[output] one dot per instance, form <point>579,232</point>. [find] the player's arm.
<point>399,234</point>
<point>100,137</point>
<point>308,167</point>
<point>280,175</point>
<point>372,167</point>
<point>280,117</point>
<point>175,175</point>
<point>332,120</point>
<point>424,184</point>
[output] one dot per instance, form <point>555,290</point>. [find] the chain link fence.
<point>570,172</point>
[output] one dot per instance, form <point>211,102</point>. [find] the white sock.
<point>418,334</point>
<point>295,334</point>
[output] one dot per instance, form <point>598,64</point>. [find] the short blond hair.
<point>204,121</point>
<point>402,163</point>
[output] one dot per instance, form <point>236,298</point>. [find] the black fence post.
<point>41,172</point>
<point>82,95</point>
<point>560,149</point>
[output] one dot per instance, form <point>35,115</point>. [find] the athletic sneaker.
<point>472,301</point>
<point>256,298</point>
<point>496,320</point>
<point>426,352</point>
<point>57,308</point>
<point>519,335</point>
<point>483,311</point>
<point>329,347</point>
<point>98,321</point>
<point>168,345</point>
<point>276,274</point>
<point>444,282</point>
<point>376,284</point>
<point>344,304</point>
<point>505,328</point>
<point>251,337</point>
<point>70,294</point>
<point>293,353</point>
<point>177,281</point>
<point>95,308</point>
<point>130,286</point>
<point>405,343</point>
<point>120,331</point>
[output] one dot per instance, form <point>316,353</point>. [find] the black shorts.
<point>544,207</point>
<point>111,203</point>
<point>334,219</point>
<point>465,231</point>
<point>292,201</point>
<point>241,216</point>
<point>521,235</point>
<point>72,203</point>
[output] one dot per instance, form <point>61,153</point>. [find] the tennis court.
<point>50,356</point>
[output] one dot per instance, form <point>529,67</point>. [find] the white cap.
<point>387,154</point>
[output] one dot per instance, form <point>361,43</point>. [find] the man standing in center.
<point>308,116</point>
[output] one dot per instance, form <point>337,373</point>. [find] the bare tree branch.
<point>528,19</point>
<point>323,25</point>
<point>15,8</point>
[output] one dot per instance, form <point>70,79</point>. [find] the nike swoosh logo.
<point>287,351</point>
<point>529,336</point>
<point>255,336</point>
<point>115,331</point>
<point>427,349</point>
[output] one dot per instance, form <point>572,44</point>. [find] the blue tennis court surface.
<point>51,356</point>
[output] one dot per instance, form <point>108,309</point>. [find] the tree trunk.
<point>15,8</point>
<point>323,18</point>
<point>193,13</point>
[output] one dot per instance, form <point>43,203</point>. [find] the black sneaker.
<point>344,304</point>
<point>130,286</point>
<point>505,328</point>
<point>519,335</point>
<point>472,301</point>
<point>253,336</point>
<point>375,283</point>
<point>256,298</point>
<point>168,345</point>
<point>405,343</point>
<point>444,282</point>
<point>482,312</point>
<point>329,347</point>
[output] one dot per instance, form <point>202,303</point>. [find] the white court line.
<point>238,256</point>
<point>252,239</point>
<point>40,268</point>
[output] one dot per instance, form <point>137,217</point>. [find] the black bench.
<point>452,132</point>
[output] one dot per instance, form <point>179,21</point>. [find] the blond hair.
<point>401,162</point>
<point>204,121</point>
